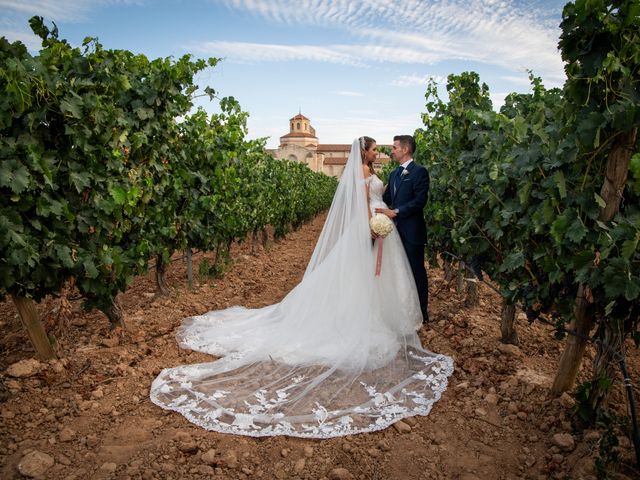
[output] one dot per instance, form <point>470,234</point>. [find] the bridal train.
<point>338,355</point>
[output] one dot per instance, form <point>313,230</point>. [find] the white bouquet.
<point>381,225</point>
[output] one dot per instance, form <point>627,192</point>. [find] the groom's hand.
<point>387,211</point>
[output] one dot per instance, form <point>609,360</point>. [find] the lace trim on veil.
<point>382,408</point>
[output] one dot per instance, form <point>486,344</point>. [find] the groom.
<point>406,194</point>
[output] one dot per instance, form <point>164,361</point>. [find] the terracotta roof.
<point>329,147</point>
<point>299,117</point>
<point>343,161</point>
<point>298,134</point>
<point>336,147</point>
<point>335,161</point>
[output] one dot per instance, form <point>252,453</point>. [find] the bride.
<point>338,355</point>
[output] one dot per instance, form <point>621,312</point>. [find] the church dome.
<point>300,127</point>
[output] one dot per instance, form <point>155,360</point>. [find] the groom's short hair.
<point>406,141</point>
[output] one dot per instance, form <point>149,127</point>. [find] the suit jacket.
<point>408,193</point>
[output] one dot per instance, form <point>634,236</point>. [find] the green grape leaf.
<point>577,231</point>
<point>118,194</point>
<point>90,269</point>
<point>615,278</point>
<point>73,106</point>
<point>512,261</point>
<point>629,247</point>
<point>558,177</point>
<point>559,227</point>
<point>64,254</point>
<point>80,180</point>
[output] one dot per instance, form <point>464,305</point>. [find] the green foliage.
<point>98,176</point>
<point>386,170</point>
<point>608,422</point>
<point>207,270</point>
<point>84,147</point>
<point>518,191</point>
<point>388,167</point>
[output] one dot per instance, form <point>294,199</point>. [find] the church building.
<point>301,145</point>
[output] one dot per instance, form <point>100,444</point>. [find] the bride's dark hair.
<point>365,145</point>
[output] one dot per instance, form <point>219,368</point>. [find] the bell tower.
<point>301,133</point>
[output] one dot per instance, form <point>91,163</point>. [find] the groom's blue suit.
<point>407,193</point>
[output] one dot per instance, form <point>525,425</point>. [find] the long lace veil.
<point>347,217</point>
<point>338,355</point>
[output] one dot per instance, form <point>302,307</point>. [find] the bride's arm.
<point>367,174</point>
<point>386,195</point>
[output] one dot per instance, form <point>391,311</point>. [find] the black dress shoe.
<point>425,318</point>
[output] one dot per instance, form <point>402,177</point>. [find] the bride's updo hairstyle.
<point>365,145</point>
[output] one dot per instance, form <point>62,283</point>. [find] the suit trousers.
<point>415,254</point>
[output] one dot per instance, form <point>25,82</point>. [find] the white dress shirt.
<point>404,166</point>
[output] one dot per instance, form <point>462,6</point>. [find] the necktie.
<point>399,178</point>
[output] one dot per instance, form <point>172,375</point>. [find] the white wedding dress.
<point>338,355</point>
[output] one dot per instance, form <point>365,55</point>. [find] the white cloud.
<point>31,41</point>
<point>307,12</point>
<point>507,34</point>
<point>16,13</point>
<point>59,10</point>
<point>70,10</point>
<point>414,80</point>
<point>355,55</point>
<point>497,99</point>
<point>246,52</point>
<point>383,54</point>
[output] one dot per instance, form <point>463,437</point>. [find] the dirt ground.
<point>88,415</point>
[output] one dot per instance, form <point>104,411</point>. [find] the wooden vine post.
<point>611,192</point>
<point>161,282</point>
<point>507,327</point>
<point>190,267</point>
<point>32,324</point>
<point>473,295</point>
<point>611,331</point>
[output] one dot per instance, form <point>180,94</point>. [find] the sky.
<point>353,67</point>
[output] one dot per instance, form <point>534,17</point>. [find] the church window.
<point>298,125</point>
